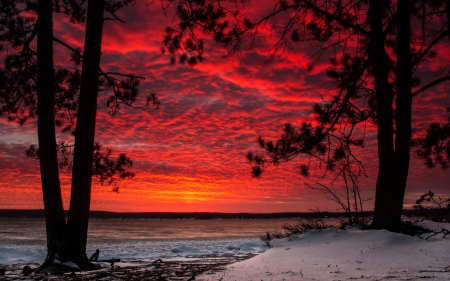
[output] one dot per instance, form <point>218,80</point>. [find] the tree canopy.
<point>376,50</point>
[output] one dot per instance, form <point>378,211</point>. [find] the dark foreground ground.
<point>159,270</point>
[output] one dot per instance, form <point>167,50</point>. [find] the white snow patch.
<point>71,264</point>
<point>333,254</point>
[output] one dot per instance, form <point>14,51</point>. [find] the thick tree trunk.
<point>393,203</point>
<point>384,97</point>
<point>48,160</point>
<point>391,184</point>
<point>84,138</point>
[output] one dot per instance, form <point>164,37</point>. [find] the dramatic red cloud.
<point>189,155</point>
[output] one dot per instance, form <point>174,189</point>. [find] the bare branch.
<point>121,74</point>
<point>431,84</point>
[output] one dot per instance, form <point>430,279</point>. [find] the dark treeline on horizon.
<point>14,213</point>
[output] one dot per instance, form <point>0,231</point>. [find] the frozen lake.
<point>23,240</point>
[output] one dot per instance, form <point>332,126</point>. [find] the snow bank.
<point>333,254</point>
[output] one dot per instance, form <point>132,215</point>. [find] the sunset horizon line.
<point>39,213</point>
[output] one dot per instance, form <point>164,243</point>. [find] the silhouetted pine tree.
<point>29,85</point>
<point>374,63</point>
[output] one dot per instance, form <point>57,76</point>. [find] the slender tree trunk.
<point>349,207</point>
<point>355,199</point>
<point>48,160</point>
<point>84,138</point>
<point>384,95</point>
<point>447,6</point>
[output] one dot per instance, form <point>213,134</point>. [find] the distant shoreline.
<point>15,213</point>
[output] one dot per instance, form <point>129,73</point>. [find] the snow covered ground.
<point>351,254</point>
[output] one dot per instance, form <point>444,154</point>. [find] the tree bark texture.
<point>77,223</point>
<point>48,160</point>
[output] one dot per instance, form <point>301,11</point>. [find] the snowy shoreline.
<point>351,254</point>
<point>327,254</point>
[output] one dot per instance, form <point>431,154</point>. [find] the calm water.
<point>24,240</point>
<point>17,231</point>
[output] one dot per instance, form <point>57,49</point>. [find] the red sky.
<point>189,155</point>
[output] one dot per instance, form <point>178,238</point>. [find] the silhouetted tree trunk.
<point>393,166</point>
<point>384,96</point>
<point>77,224</point>
<point>447,5</point>
<point>48,160</point>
